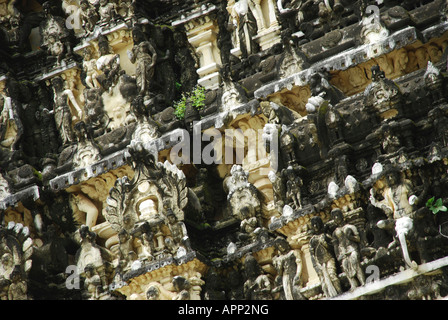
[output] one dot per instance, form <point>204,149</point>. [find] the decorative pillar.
<point>202,30</point>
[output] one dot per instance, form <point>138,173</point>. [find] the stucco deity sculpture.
<point>346,240</point>
<point>144,56</point>
<point>323,259</point>
<point>397,203</point>
<point>63,100</point>
<point>244,201</point>
<point>257,285</point>
<point>288,264</point>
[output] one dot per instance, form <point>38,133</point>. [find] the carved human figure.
<point>146,129</point>
<point>257,285</point>
<point>245,22</point>
<point>54,34</point>
<point>146,237</point>
<point>144,56</point>
<point>278,188</point>
<point>390,143</point>
<point>397,203</point>
<point>244,201</point>
<point>92,282</point>
<point>96,118</point>
<point>87,151</point>
<point>323,260</point>
<point>90,69</point>
<point>178,231</point>
<point>85,205</point>
<point>293,188</point>
<point>6,263</point>
<point>89,16</point>
<point>18,288</point>
<point>62,111</point>
<point>108,63</point>
<point>346,242</point>
<point>288,264</point>
<point>125,245</point>
<point>9,126</point>
<point>107,11</point>
<point>440,123</point>
<point>90,253</point>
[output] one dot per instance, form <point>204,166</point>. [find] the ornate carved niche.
<point>88,203</point>
<point>16,248</point>
<point>268,28</point>
<point>256,160</point>
<point>157,197</point>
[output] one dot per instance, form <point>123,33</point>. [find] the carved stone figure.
<point>178,231</point>
<point>92,282</point>
<point>16,248</point>
<point>107,12</point>
<point>244,201</point>
<point>146,129</point>
<point>278,188</point>
<point>18,287</point>
<point>346,240</point>
<point>87,152</point>
<point>323,259</point>
<point>10,124</point>
<point>62,111</point>
<point>257,285</point>
<point>434,81</point>
<point>288,264</point>
<point>439,120</point>
<point>245,26</point>
<point>54,35</point>
<point>397,204</point>
<point>382,95</point>
<point>96,118</point>
<point>293,188</point>
<point>108,63</point>
<point>90,254</point>
<point>144,56</point>
<point>83,204</point>
<point>278,114</point>
<point>89,16</point>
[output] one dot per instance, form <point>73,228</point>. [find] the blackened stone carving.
<point>144,56</point>
<point>55,37</point>
<point>288,264</point>
<point>383,96</point>
<point>62,113</point>
<point>323,260</point>
<point>257,285</point>
<point>346,240</point>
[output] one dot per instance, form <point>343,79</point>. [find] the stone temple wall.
<point>223,150</point>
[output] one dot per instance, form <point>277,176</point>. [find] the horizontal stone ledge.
<point>343,61</point>
<point>402,277</point>
<point>68,179</point>
<point>11,200</point>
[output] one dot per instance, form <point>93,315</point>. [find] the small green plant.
<point>197,99</point>
<point>435,205</point>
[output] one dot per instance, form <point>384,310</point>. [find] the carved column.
<point>202,30</point>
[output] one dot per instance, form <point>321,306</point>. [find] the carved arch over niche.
<point>155,189</point>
